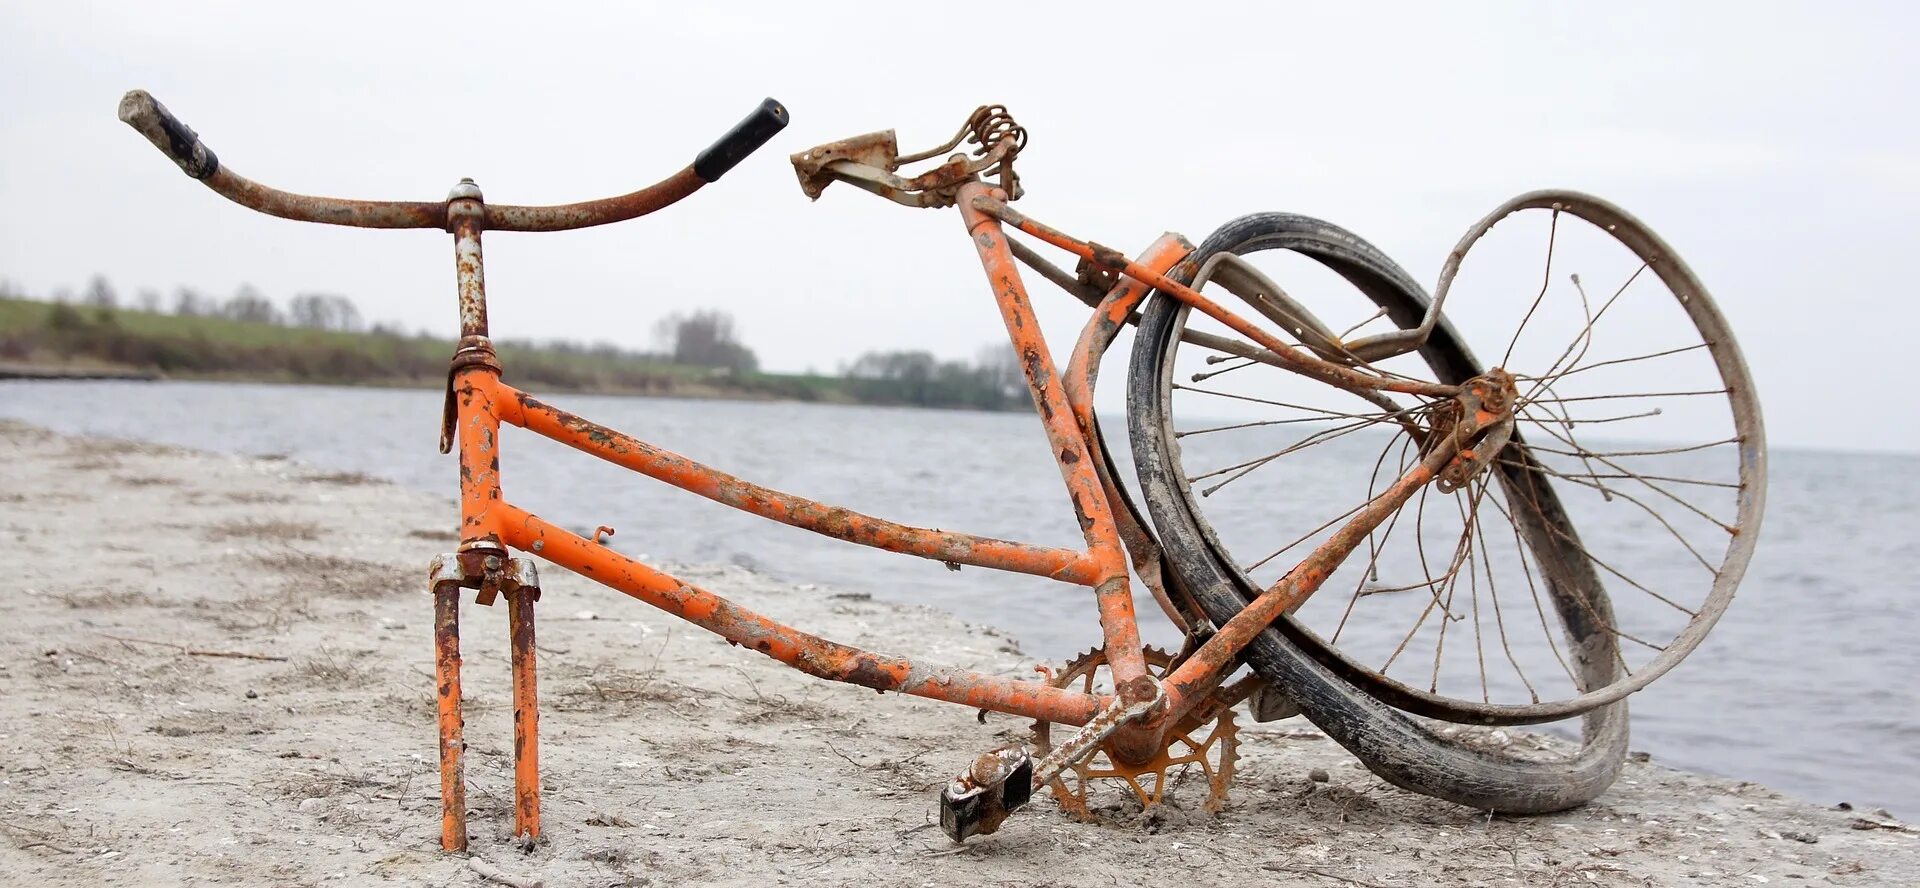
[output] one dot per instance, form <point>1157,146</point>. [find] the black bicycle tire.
<point>1393,744</point>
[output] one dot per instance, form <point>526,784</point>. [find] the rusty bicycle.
<point>1413,484</point>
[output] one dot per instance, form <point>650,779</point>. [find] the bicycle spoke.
<point>1605,419</point>
<point>1700,482</point>
<point>1348,333</point>
<point>1565,419</point>
<point>1584,339</point>
<point>1419,543</point>
<point>1304,537</point>
<point>1473,583</point>
<point>1374,545</point>
<point>1718,391</point>
<point>1583,453</point>
<point>1687,448</point>
<point>1202,377</point>
<point>1546,280</point>
<point>1453,583</point>
<point>1645,508</point>
<point>1499,619</point>
<point>1320,410</point>
<point>1616,361</point>
<point>1379,417</point>
<point>1534,590</point>
<point>1248,467</point>
<point>1584,602</point>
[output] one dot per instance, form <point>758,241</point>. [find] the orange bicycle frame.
<point>1131,721</point>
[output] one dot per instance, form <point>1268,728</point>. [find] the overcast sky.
<point>1773,145</point>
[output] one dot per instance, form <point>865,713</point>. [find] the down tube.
<point>808,653</point>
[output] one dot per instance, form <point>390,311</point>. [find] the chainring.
<point>1215,754</point>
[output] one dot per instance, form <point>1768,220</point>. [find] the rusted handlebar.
<point>182,145</point>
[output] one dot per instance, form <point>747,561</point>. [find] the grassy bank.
<point>218,348</point>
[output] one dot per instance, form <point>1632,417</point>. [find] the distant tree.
<point>248,305</point>
<point>188,303</point>
<point>63,295</point>
<point>993,382</point>
<point>324,311</point>
<point>149,300</point>
<point>64,318</point>
<point>100,293</point>
<point>1000,371</point>
<point>705,338</point>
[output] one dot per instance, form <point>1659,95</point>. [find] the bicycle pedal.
<point>979,800</point>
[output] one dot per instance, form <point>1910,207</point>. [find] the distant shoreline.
<point>57,373</point>
<point>42,340</point>
<point>61,373</point>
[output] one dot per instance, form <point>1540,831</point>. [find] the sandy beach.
<point>216,670</point>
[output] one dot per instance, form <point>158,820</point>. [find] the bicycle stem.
<point>1292,358</point>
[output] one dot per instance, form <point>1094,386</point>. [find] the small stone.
<point>1797,836</point>
<point>311,805</point>
<point>1319,775</point>
<point>253,694</point>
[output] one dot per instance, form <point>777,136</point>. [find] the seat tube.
<point>1070,450</point>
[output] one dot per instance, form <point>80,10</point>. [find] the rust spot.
<point>1108,257</point>
<point>867,672</point>
<point>1080,513</point>
<point>1139,689</point>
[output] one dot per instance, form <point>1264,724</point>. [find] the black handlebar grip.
<point>745,138</point>
<point>174,139</point>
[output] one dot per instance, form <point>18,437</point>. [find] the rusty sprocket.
<point>1213,752</point>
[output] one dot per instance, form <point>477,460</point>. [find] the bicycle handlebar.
<point>182,145</point>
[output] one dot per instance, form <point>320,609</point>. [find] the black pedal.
<point>977,802</point>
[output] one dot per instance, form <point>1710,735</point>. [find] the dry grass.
<point>109,599</point>
<point>333,671</point>
<point>338,576</point>
<point>272,531</point>
<point>343,479</point>
<point>621,689</point>
<point>145,481</point>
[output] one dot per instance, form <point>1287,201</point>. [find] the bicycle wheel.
<point>1401,749</point>
<point>1542,551</point>
<point>1418,617</point>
